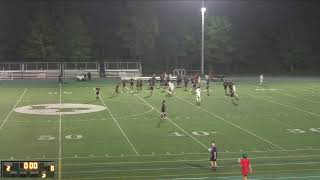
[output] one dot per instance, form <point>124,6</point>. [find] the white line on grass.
<point>172,154</point>
<point>284,105</point>
<point>219,117</point>
<point>60,129</point>
<point>174,123</point>
<point>198,174</point>
<point>5,120</point>
<point>262,178</point>
<point>314,89</point>
<point>187,167</point>
<point>124,134</point>
<point>304,99</point>
<point>186,160</point>
<point>288,177</point>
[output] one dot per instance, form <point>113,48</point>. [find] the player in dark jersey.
<point>151,89</point>
<point>137,85</point>
<point>140,84</point>
<point>117,88</point>
<point>207,88</point>
<point>186,82</point>
<point>131,84</point>
<point>97,92</point>
<point>194,86</point>
<point>163,110</point>
<point>153,80</point>
<point>161,80</point>
<point>60,78</point>
<point>123,85</point>
<point>214,155</point>
<point>225,85</point>
<point>230,84</point>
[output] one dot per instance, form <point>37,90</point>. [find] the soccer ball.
<point>209,149</point>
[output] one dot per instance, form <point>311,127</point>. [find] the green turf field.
<point>277,125</point>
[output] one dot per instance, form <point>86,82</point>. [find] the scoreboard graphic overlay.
<point>27,169</point>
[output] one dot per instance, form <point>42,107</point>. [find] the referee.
<point>213,159</point>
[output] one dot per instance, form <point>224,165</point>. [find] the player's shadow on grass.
<point>147,96</point>
<point>197,165</point>
<point>234,102</point>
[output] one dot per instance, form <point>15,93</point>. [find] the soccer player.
<point>97,92</point>
<point>214,155</point>
<point>207,88</point>
<point>261,79</point>
<point>245,166</point>
<point>163,110</point>
<point>225,85</point>
<point>153,80</point>
<point>161,80</point>
<point>151,89</point>
<point>123,85</point>
<point>131,84</point>
<point>198,95</point>
<point>140,84</point>
<point>117,88</point>
<point>186,82</point>
<point>233,92</point>
<point>171,88</point>
<point>60,78</point>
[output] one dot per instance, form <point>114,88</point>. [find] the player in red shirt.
<point>245,166</point>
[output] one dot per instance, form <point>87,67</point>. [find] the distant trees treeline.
<point>252,39</point>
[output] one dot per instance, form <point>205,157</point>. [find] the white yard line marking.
<point>190,178</point>
<point>284,105</point>
<point>288,177</point>
<point>60,129</point>
<point>199,174</point>
<point>219,117</point>
<point>114,119</point>
<point>259,178</point>
<point>5,120</point>
<point>314,89</point>
<point>174,123</point>
<point>304,99</point>
<point>187,167</point>
<point>171,154</point>
<point>186,160</point>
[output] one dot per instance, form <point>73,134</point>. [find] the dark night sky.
<point>102,17</point>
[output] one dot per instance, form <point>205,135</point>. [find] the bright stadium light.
<point>203,10</point>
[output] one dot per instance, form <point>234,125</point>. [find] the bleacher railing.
<point>52,70</point>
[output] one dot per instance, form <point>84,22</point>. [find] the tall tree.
<point>3,17</point>
<point>218,42</point>
<point>39,43</point>
<point>138,31</point>
<point>78,41</point>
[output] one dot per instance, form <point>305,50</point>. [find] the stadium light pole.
<point>203,10</point>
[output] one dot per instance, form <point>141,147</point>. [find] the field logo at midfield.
<point>57,109</point>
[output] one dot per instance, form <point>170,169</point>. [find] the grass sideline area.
<point>277,125</point>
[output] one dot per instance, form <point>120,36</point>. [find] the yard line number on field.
<point>219,117</point>
<point>173,123</point>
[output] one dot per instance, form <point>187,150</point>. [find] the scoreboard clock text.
<point>41,169</point>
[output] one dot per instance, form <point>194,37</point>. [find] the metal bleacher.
<point>68,70</point>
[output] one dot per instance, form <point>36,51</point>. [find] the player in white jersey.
<point>261,79</point>
<point>171,88</point>
<point>198,95</point>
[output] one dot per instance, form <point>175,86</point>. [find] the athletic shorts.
<point>213,158</point>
